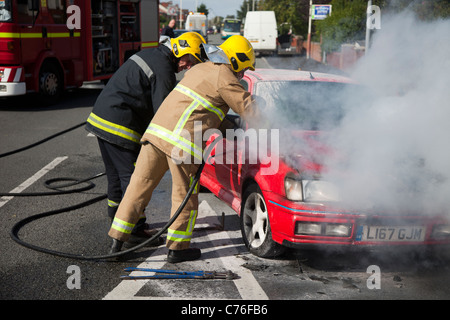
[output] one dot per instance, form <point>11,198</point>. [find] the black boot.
<point>141,234</point>
<point>116,246</point>
<point>190,254</point>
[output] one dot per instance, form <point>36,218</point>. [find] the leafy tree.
<point>295,12</point>
<point>202,8</point>
<point>242,12</point>
<point>347,22</point>
<point>424,10</point>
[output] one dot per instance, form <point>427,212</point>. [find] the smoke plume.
<point>394,145</point>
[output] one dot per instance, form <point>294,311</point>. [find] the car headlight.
<point>441,231</point>
<point>308,228</point>
<point>310,190</point>
<point>317,190</point>
<point>294,190</point>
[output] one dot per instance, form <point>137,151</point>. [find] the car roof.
<point>294,75</point>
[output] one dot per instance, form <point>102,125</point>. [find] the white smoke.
<point>394,149</point>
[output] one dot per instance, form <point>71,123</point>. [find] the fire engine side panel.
<point>32,44</point>
<point>45,39</point>
<point>39,42</point>
<point>149,23</point>
<point>64,43</point>
<point>86,39</point>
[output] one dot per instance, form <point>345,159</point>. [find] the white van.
<point>260,29</point>
<point>196,21</point>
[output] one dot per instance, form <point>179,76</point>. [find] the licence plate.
<point>390,234</point>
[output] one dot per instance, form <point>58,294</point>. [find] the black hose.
<point>58,191</point>
<point>42,141</point>
<point>16,228</point>
<point>14,233</point>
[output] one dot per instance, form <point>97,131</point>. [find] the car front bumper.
<point>358,229</point>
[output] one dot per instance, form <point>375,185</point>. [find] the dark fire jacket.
<point>126,105</point>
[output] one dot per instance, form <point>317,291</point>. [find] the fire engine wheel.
<point>255,225</point>
<point>50,82</point>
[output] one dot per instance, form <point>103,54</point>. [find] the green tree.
<point>424,10</point>
<point>347,22</point>
<point>245,6</point>
<point>202,8</point>
<point>294,12</point>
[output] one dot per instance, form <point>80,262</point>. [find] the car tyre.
<point>255,225</point>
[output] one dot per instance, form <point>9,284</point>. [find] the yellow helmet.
<point>240,53</point>
<point>187,43</point>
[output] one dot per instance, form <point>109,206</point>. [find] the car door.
<point>222,173</point>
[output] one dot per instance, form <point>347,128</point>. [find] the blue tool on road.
<point>176,274</point>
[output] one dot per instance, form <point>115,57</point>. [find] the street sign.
<point>320,11</point>
<point>172,11</point>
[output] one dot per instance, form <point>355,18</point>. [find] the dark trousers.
<point>119,166</point>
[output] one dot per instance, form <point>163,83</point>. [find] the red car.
<point>282,202</point>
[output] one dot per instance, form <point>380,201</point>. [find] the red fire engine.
<point>44,49</point>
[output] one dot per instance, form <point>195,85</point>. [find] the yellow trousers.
<point>151,166</point>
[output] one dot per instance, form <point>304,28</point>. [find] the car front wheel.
<point>255,225</point>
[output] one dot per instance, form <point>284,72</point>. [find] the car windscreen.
<point>304,105</point>
<point>5,11</point>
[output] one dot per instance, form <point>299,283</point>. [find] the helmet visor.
<point>215,54</point>
<point>165,40</point>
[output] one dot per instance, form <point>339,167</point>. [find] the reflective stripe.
<point>175,140</point>
<point>180,236</point>
<point>185,116</point>
<point>174,137</point>
<point>6,73</point>
<point>31,35</point>
<point>62,34</point>
<point>196,186</point>
<point>142,64</point>
<point>149,44</point>
<point>18,74</point>
<point>113,128</point>
<point>122,226</point>
<point>112,204</point>
<point>205,103</point>
<point>9,35</point>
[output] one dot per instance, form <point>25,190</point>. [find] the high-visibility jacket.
<point>199,102</point>
<point>132,96</point>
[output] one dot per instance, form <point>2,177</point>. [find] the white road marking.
<point>127,289</point>
<point>247,286</point>
<point>32,179</point>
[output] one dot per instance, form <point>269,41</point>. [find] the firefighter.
<point>126,106</point>
<point>201,99</point>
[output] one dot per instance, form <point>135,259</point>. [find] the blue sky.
<point>216,7</point>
